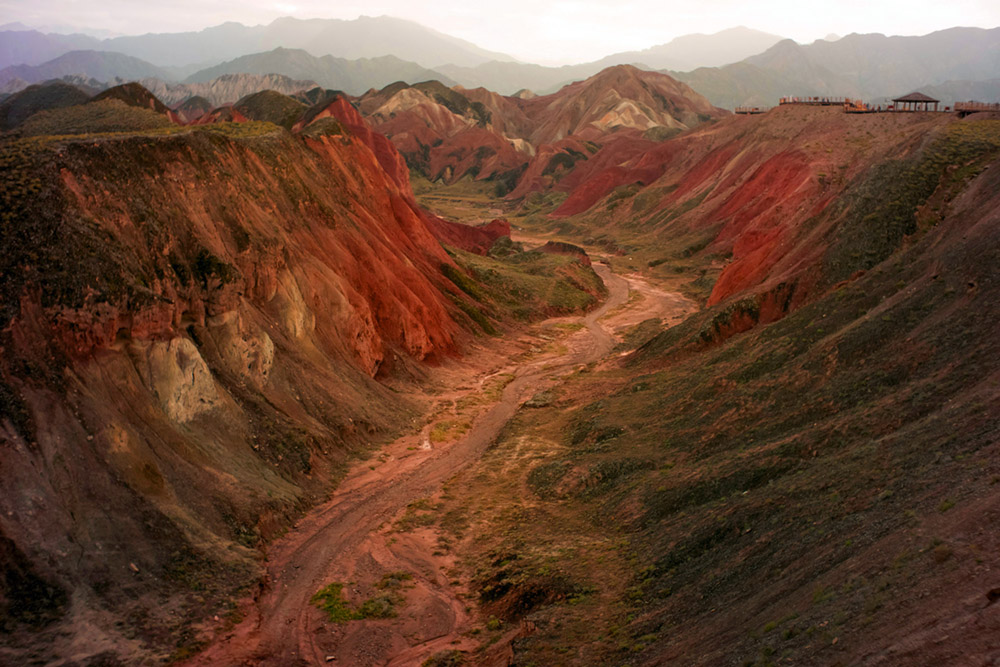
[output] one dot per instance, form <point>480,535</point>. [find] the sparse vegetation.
<point>451,658</point>
<point>449,430</point>
<point>95,118</point>
<point>330,600</point>
<point>527,285</point>
<point>383,604</point>
<point>271,106</point>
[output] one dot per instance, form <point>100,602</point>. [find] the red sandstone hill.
<point>777,200</point>
<point>193,108</point>
<point>823,488</point>
<point>191,321</point>
<point>446,134</point>
<point>618,97</point>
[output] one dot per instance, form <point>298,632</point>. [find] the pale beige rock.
<point>245,349</point>
<point>176,374</point>
<point>294,314</point>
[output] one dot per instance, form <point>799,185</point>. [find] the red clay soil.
<point>343,541</point>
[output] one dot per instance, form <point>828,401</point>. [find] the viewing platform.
<point>963,109</point>
<point>914,102</point>
<point>818,101</point>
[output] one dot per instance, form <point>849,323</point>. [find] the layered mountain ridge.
<point>732,68</point>
<point>527,143</point>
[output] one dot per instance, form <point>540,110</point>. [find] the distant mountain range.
<point>682,53</point>
<point>880,65</point>
<point>99,65</point>
<point>364,37</point>
<point>226,89</point>
<point>692,51</point>
<point>955,64</point>
<point>277,67</point>
<point>958,63</point>
<point>732,67</point>
<point>351,76</point>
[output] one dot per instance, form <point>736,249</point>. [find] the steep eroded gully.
<point>350,537</point>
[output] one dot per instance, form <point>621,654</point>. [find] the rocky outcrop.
<point>568,249</point>
<point>177,376</point>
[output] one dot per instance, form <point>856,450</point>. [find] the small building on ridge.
<point>915,102</point>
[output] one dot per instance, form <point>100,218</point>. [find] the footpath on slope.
<point>350,538</point>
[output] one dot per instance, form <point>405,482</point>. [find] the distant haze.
<point>557,32</point>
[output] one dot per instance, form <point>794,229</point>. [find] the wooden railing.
<point>816,100</point>
<point>973,107</point>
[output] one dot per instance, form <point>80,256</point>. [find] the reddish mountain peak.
<point>450,133</point>
<point>341,109</point>
<point>620,96</point>
<point>472,239</point>
<point>193,108</point>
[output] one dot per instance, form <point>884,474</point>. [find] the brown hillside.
<point>820,490</point>
<point>191,324</point>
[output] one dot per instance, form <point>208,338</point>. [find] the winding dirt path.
<point>344,539</point>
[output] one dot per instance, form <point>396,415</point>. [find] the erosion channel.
<point>349,538</point>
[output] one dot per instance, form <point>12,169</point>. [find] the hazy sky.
<point>553,32</point>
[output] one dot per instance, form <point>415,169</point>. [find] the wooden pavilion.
<point>915,102</point>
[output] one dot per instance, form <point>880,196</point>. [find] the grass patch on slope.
<point>526,285</point>
<point>95,117</point>
<point>383,603</point>
<point>883,207</point>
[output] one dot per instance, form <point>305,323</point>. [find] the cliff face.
<point>191,324</point>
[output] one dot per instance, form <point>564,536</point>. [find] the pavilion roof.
<point>915,97</point>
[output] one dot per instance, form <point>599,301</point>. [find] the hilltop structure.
<point>915,102</point>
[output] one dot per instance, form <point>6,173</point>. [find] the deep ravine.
<point>334,542</point>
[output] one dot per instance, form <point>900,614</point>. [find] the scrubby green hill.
<point>271,106</point>
<point>22,105</point>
